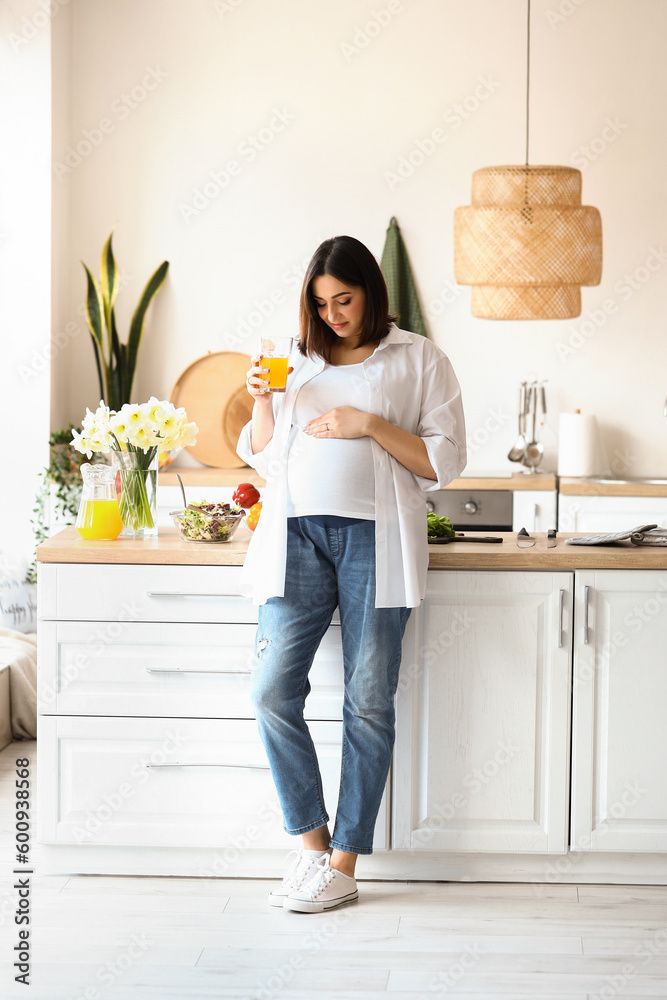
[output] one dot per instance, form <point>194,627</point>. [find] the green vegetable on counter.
<point>439,527</point>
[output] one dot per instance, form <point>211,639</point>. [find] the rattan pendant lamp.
<point>526,243</point>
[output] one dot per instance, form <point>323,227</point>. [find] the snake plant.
<point>116,361</point>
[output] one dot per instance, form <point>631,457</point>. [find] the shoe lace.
<point>322,877</point>
<point>299,869</point>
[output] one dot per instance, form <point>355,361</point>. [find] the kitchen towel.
<point>403,298</point>
<point>577,445</point>
<point>611,539</point>
<point>654,536</point>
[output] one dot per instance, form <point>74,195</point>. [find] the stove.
<point>474,510</point>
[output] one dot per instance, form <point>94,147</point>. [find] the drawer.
<point>150,669</point>
<point>146,593</point>
<point>110,593</point>
<point>169,782</point>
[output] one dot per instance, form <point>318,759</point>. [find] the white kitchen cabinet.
<point>145,727</point>
<point>534,510</point>
<point>482,742</point>
<point>619,745</point>
<point>167,669</point>
<point>609,513</point>
<point>168,782</point>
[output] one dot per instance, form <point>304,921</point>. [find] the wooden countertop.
<point>209,476</point>
<point>167,548</point>
<point>611,488</point>
<point>232,477</point>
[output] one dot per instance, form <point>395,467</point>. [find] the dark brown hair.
<point>351,262</point>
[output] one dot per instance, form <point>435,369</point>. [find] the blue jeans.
<point>330,562</point>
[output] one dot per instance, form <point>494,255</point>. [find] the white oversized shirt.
<point>411,384</point>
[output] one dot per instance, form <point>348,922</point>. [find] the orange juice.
<point>277,373</point>
<point>99,519</point>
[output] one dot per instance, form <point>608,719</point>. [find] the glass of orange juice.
<point>99,513</point>
<point>274,355</point>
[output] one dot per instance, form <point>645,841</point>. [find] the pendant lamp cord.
<point>527,81</point>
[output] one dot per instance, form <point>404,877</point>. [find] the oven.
<point>474,510</point>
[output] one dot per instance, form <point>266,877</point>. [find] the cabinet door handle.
<point>182,593</point>
<point>561,606</point>
<point>208,763</point>
<point>586,635</point>
<point>192,670</point>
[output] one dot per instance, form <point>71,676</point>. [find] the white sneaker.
<point>301,872</point>
<point>327,888</point>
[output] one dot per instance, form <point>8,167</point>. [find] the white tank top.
<point>330,475</point>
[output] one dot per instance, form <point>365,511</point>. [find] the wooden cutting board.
<point>212,391</point>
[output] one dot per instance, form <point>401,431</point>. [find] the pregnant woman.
<point>371,418</point>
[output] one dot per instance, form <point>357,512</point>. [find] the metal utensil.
<point>180,483</point>
<point>524,540</point>
<point>551,538</point>
<point>516,452</point>
<point>534,449</point>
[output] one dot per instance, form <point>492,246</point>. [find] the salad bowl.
<point>207,522</point>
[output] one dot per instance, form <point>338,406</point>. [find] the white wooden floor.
<point>133,938</point>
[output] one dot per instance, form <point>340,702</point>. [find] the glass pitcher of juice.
<point>99,513</point>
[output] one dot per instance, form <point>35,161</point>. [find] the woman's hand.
<point>256,384</point>
<point>348,422</point>
<point>341,422</point>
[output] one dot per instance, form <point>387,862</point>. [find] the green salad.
<point>439,527</point>
<point>208,522</point>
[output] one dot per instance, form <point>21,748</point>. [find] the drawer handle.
<point>182,593</point>
<point>586,635</point>
<point>561,602</point>
<point>193,670</point>
<point>206,763</point>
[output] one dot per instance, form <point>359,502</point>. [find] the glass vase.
<point>138,491</point>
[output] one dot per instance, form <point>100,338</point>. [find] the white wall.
<point>25,238</point>
<point>220,69</point>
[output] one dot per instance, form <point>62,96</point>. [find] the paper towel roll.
<point>577,445</point>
